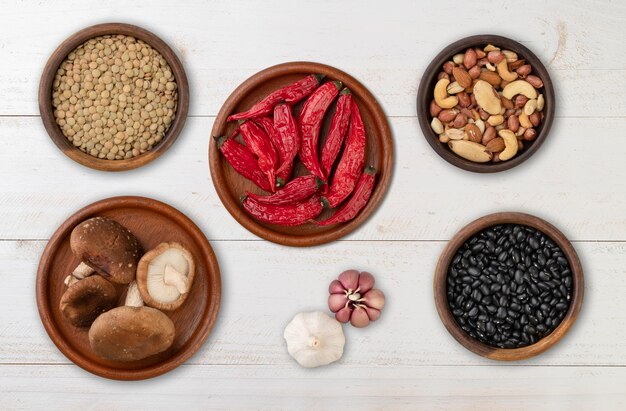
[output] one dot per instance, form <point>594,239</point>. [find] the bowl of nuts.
<point>508,286</point>
<point>113,97</point>
<point>485,103</point>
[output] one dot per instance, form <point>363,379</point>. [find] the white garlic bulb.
<point>314,339</point>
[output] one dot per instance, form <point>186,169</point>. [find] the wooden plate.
<point>230,186</point>
<point>425,96</point>
<point>47,112</point>
<point>152,222</point>
<point>510,354</point>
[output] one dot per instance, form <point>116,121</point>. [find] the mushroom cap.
<point>131,333</point>
<point>152,280</point>
<point>107,247</point>
<point>86,299</point>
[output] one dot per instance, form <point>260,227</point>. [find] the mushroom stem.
<point>82,271</point>
<point>173,277</point>
<point>133,296</point>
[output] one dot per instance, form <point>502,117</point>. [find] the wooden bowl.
<point>441,274</point>
<point>230,186</point>
<point>425,96</point>
<point>152,222</point>
<point>47,111</point>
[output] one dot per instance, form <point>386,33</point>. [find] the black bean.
<point>509,286</point>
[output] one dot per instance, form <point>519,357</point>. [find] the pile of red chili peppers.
<point>275,137</point>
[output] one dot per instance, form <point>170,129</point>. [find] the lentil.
<point>114,97</point>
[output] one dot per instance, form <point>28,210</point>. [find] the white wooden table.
<point>406,360</point>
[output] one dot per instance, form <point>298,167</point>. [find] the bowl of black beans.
<point>508,286</point>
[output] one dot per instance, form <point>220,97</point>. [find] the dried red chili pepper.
<point>259,143</point>
<point>289,132</point>
<point>243,161</point>
<point>361,196</point>
<point>352,160</point>
<point>290,214</point>
<point>268,126</point>
<point>298,189</point>
<point>337,131</point>
<point>310,120</point>
<point>289,94</point>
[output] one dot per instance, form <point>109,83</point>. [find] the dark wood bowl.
<point>441,274</point>
<point>152,222</point>
<point>47,112</point>
<point>230,186</point>
<point>425,96</point>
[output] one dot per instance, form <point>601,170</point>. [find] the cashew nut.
<point>490,67</point>
<point>436,125</point>
<point>487,98</point>
<point>519,87</point>
<point>470,151</point>
<point>454,88</point>
<point>540,102</point>
<point>503,71</point>
<point>510,144</point>
<point>442,98</point>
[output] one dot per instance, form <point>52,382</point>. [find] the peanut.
<point>434,109</point>
<point>524,70</point>
<point>455,134</point>
<point>464,99</point>
<point>448,66</point>
<point>489,134</point>
<point>510,56</point>
<point>530,134</point>
<point>474,72</point>
<point>436,125</point>
<point>495,120</point>
<point>459,121</point>
<point>469,59</point>
<point>535,118</point>
<point>448,114</point>
<point>513,123</point>
<point>534,81</point>
<point>540,102</point>
<point>454,88</point>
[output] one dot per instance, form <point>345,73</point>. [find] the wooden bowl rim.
<point>425,91</point>
<point>440,287</point>
<point>45,96</point>
<point>208,319</point>
<point>365,97</point>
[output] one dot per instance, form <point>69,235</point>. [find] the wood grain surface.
<point>230,186</point>
<point>407,359</point>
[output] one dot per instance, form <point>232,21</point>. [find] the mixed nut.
<point>487,104</point>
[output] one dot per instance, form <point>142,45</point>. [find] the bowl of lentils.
<point>485,103</point>
<point>508,286</point>
<point>113,97</point>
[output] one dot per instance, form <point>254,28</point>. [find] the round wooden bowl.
<point>230,186</point>
<point>152,222</point>
<point>47,112</point>
<point>425,96</point>
<point>440,287</point>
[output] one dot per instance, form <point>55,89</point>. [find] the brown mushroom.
<point>165,275</point>
<point>106,247</point>
<point>131,332</point>
<point>85,300</point>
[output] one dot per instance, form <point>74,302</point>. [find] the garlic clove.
<point>366,282</point>
<point>359,318</point>
<point>337,301</point>
<point>343,315</point>
<point>349,279</point>
<point>372,313</point>
<point>335,287</point>
<point>374,299</point>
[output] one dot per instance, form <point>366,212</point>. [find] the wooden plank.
<point>335,387</point>
<point>389,47</point>
<point>265,285</point>
<point>572,181</point>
